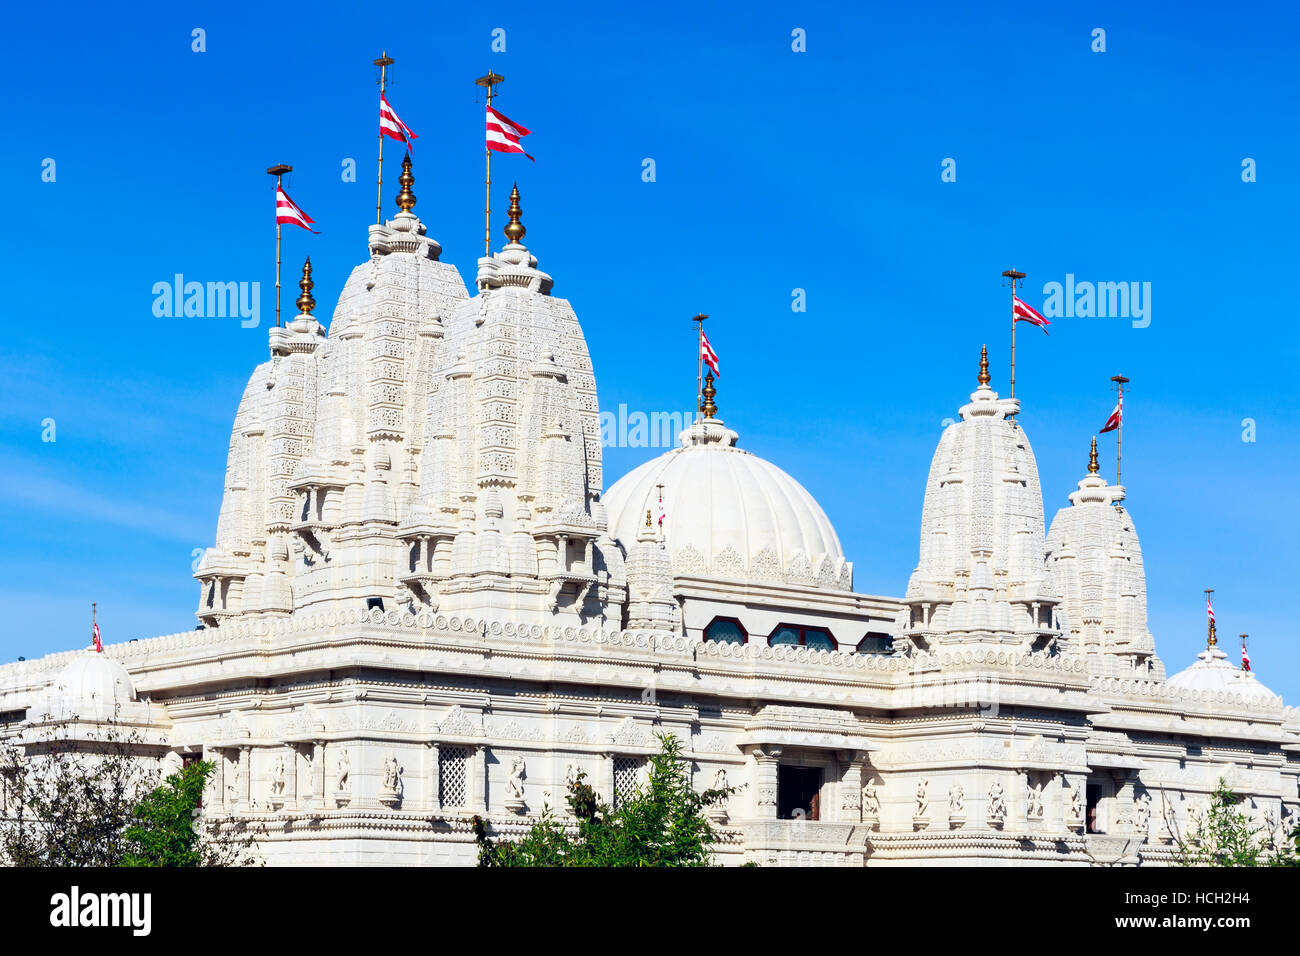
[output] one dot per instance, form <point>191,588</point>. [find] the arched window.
<point>726,630</point>
<point>876,643</point>
<point>817,638</point>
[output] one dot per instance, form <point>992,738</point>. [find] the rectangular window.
<point>626,770</point>
<point>798,793</point>
<point>453,772</point>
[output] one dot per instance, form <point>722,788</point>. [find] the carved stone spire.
<point>306,301</point>
<point>514,228</point>
<point>406,198</point>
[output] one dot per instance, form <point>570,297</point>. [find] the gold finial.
<point>984,365</point>
<point>406,198</point>
<point>514,228</point>
<point>306,302</point>
<point>709,409</point>
<point>1092,457</point>
<point>1213,639</point>
<point>648,523</point>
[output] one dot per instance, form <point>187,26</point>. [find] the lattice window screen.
<point>452,775</point>
<point>626,770</point>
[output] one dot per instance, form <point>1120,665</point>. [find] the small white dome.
<point>92,683</point>
<point>729,514</point>
<point>1212,672</point>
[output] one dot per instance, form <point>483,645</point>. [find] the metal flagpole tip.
<point>279,169</point>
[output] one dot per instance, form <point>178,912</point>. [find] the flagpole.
<point>488,82</point>
<point>1119,381</point>
<point>92,622</point>
<point>278,170</point>
<point>1013,277</point>
<point>384,62</point>
<point>699,360</point>
<point>1213,639</point>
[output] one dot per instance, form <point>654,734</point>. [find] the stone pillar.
<point>1123,817</point>
<point>435,776</point>
<point>851,786</point>
<point>218,785</point>
<point>318,770</point>
<point>607,777</point>
<point>767,759</point>
<point>478,769</point>
<point>245,775</point>
<point>291,778</point>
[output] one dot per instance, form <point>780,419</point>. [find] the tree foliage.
<point>164,833</point>
<point>94,799</point>
<point>662,823</point>
<point>1226,836</point>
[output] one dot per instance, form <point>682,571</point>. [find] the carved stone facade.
<point>419,607</point>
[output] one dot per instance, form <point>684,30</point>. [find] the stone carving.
<point>997,805</point>
<point>1034,801</point>
<point>515,785</point>
<point>1076,802</point>
<point>870,802</point>
<point>390,792</point>
<point>1142,814</point>
<point>717,811</point>
<point>277,782</point>
<point>921,816</point>
<point>957,799</point>
<point>343,786</point>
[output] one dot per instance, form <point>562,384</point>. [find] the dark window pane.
<point>724,632</point>
<point>818,639</point>
<point>784,635</point>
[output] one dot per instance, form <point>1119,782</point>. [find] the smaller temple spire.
<point>1092,457</point>
<point>514,228</point>
<point>984,365</point>
<point>709,409</point>
<point>306,302</point>
<point>406,198</point>
<point>1209,611</point>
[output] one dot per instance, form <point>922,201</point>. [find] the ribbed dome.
<point>92,683</point>
<point>730,514</point>
<point>1212,672</point>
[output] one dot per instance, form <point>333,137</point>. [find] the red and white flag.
<point>287,211</point>
<point>1245,658</point>
<point>99,642</point>
<point>391,126</point>
<point>1116,417</point>
<point>707,355</point>
<point>1209,608</point>
<point>663,513</point>
<point>1027,313</point>
<point>503,134</point>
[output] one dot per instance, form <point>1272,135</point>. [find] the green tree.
<point>163,831</point>
<point>1226,836</point>
<point>93,799</point>
<point>660,824</point>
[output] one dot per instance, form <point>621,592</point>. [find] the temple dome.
<point>91,684</point>
<point>729,514</point>
<point>1212,672</point>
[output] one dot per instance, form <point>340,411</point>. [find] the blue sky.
<point>775,171</point>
